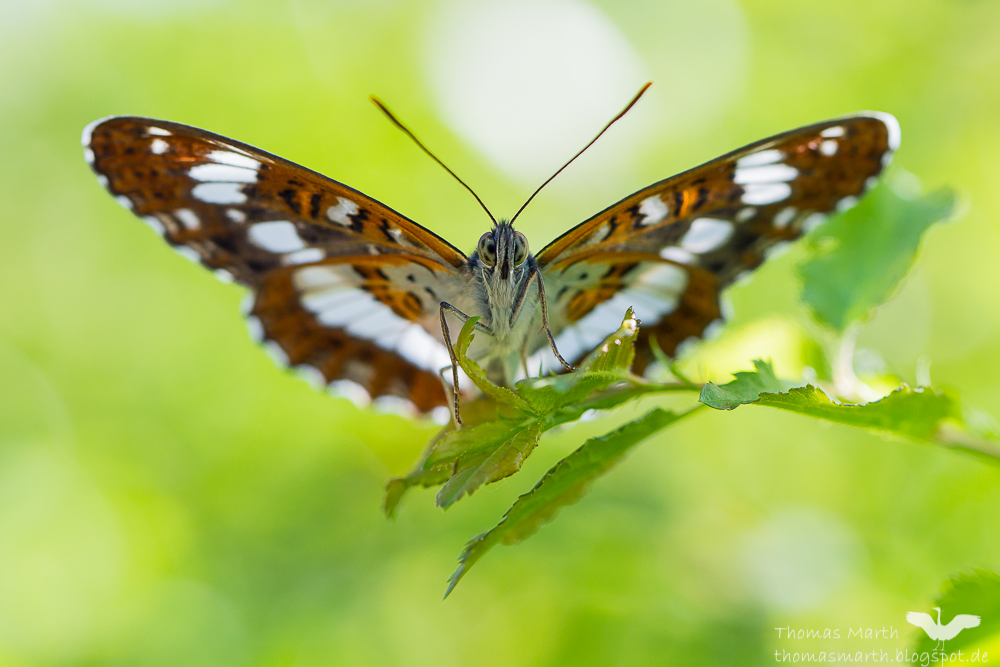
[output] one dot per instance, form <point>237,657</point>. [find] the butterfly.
<point>358,297</point>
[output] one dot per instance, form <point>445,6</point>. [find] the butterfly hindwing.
<point>670,248</point>
<point>342,284</point>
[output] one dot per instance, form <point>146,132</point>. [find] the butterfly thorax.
<point>501,267</point>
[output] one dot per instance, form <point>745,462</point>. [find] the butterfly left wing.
<point>670,248</point>
<point>342,284</point>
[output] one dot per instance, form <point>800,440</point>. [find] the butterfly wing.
<point>342,284</point>
<point>670,248</point>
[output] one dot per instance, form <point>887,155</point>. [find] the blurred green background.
<point>169,497</point>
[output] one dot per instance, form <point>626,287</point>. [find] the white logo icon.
<point>935,630</point>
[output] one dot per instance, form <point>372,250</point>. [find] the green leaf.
<point>504,461</point>
<point>977,594</point>
<point>858,259</point>
<point>494,443</point>
<point>396,488</point>
<point>452,452</point>
<point>922,414</point>
<point>471,440</point>
<point>746,388</point>
<point>607,364</point>
<point>478,376</point>
<point>914,413</point>
<point>494,450</point>
<point>565,483</point>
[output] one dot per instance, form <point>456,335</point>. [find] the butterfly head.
<point>501,251</point>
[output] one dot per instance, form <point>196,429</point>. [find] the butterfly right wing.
<point>670,248</point>
<point>344,287</point>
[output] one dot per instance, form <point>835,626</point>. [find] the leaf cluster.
<point>504,427</point>
<point>854,264</point>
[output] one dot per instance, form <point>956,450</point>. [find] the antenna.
<point>410,134</point>
<point>605,129</point>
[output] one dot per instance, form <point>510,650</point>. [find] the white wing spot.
<point>312,376</point>
<point>223,276</point>
<point>766,193</point>
<point>319,302</point>
<point>88,130</point>
<point>757,159</point>
<point>88,155</point>
<point>745,214</point>
<point>813,221</point>
<point>422,349</point>
<point>154,224</point>
<point>829,147</point>
<point>771,173</point>
<point>158,131</point>
<point>278,236</point>
<point>440,415</point>
<point>222,173</point>
<point>891,126</point>
<point>675,254</point>
<point>777,250</point>
<point>706,234</point>
<point>236,215</point>
<point>785,216</point>
<point>871,182</point>
<point>350,390</point>
<point>713,329</point>
<point>125,202</point>
<point>394,405</point>
<point>362,315</point>
<point>832,132</point>
<point>847,203</point>
<point>342,211</point>
<point>307,256</point>
<point>666,277</point>
<point>315,277</point>
<point>219,193</point>
<point>277,354</point>
<point>255,329</point>
<point>188,218</point>
<point>158,146</point>
<point>233,159</point>
<point>653,209</point>
<point>103,180</point>
<point>187,253</point>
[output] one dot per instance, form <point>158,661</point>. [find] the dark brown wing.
<point>342,284</point>
<point>670,248</point>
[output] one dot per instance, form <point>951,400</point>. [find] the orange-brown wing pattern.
<point>342,284</point>
<point>670,248</point>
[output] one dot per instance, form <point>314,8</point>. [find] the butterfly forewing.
<point>342,284</point>
<point>670,248</point>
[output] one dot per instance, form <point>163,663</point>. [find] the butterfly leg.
<point>535,273</point>
<point>447,307</point>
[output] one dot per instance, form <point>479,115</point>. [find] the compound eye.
<point>520,248</point>
<point>488,249</point>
